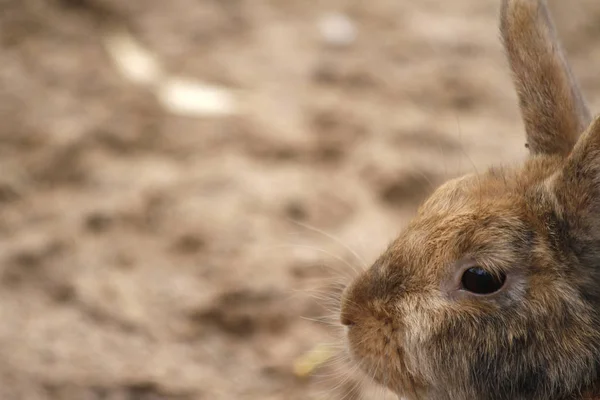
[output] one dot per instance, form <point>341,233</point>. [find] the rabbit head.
<point>493,290</point>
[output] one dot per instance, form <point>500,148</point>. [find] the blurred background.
<point>179,178</point>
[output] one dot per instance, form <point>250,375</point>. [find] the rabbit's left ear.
<point>577,184</point>
<point>552,106</point>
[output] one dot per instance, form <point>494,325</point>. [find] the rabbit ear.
<point>578,182</point>
<point>552,106</point>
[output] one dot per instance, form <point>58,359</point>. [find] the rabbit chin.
<point>375,347</point>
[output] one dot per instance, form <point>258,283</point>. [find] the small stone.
<point>337,30</point>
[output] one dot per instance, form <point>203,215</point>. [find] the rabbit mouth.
<point>375,347</point>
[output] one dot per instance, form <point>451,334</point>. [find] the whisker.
<point>462,150</point>
<point>319,321</point>
<point>338,258</point>
<point>423,175</point>
<point>331,237</point>
<point>346,379</point>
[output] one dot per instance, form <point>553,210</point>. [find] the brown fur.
<point>553,108</point>
<point>410,324</point>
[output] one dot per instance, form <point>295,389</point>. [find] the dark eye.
<point>477,280</point>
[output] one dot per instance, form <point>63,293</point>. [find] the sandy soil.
<point>145,255</point>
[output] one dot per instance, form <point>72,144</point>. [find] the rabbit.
<point>492,291</point>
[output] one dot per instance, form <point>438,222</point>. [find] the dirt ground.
<point>145,255</point>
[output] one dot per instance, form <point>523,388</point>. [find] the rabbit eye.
<point>479,281</point>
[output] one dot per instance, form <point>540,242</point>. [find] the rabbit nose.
<point>345,319</point>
